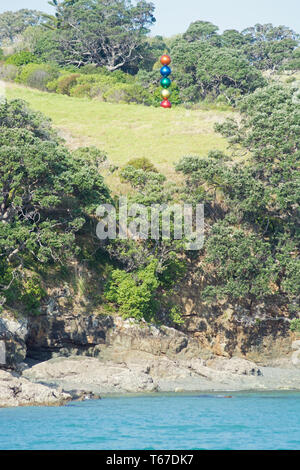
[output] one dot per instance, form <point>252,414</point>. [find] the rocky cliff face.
<point>206,332</point>
<point>13,334</point>
<point>61,330</point>
<point>262,334</point>
<point>75,351</point>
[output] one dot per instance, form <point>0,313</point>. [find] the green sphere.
<point>165,82</point>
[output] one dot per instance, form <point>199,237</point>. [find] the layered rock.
<point>64,334</point>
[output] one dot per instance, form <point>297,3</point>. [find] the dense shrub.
<point>8,72</point>
<point>82,90</point>
<point>32,294</point>
<point>126,93</point>
<point>37,75</point>
<point>142,163</point>
<point>52,194</point>
<point>134,293</point>
<point>295,325</point>
<point>22,58</point>
<point>66,82</point>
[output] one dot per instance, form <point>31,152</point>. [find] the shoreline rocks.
<point>57,357</point>
<point>141,374</point>
<point>13,334</point>
<point>16,390</point>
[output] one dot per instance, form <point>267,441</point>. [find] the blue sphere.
<point>165,71</point>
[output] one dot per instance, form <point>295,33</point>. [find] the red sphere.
<point>166,104</point>
<point>165,59</point>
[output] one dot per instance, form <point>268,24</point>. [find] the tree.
<point>202,69</point>
<point>252,209</point>
<point>238,264</point>
<point>201,31</point>
<point>14,23</point>
<point>107,33</point>
<point>234,39</point>
<point>47,194</point>
<point>269,46</point>
<point>268,33</point>
<point>294,62</point>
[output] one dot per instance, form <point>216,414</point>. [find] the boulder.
<point>18,391</point>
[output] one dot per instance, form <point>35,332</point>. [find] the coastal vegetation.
<point>231,142</point>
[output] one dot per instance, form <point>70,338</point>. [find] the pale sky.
<point>174,16</point>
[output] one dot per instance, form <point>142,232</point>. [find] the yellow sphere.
<point>165,93</point>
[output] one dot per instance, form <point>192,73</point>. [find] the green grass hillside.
<point>129,131</point>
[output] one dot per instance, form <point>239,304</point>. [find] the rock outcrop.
<point>64,334</point>
<point>236,365</point>
<point>13,334</point>
<point>73,355</point>
<point>144,373</point>
<point>18,391</point>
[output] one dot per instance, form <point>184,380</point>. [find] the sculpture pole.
<point>165,82</point>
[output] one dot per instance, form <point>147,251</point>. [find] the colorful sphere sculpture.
<point>165,59</point>
<point>165,82</point>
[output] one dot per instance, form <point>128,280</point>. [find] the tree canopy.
<point>14,23</point>
<point>252,251</point>
<point>105,33</point>
<point>47,194</point>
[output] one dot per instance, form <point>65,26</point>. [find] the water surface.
<point>193,421</point>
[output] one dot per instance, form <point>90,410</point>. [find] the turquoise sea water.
<point>245,421</point>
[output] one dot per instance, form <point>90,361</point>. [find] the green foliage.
<point>82,90</point>
<point>66,82</point>
<point>201,31</point>
<point>294,62</point>
<point>32,294</point>
<point>22,58</point>
<point>252,248</point>
<point>202,69</point>
<point>108,34</point>
<point>176,316</point>
<point>148,185</point>
<point>135,293</point>
<point>150,82</point>
<point>114,87</point>
<point>47,194</point>
<point>8,72</point>
<point>142,163</point>
<point>14,23</point>
<point>270,47</point>
<point>295,325</point>
<point>126,93</point>
<point>37,75</point>
<point>241,264</point>
<point>153,48</point>
<point>43,43</point>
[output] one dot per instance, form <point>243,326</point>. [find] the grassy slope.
<point>128,131</point>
